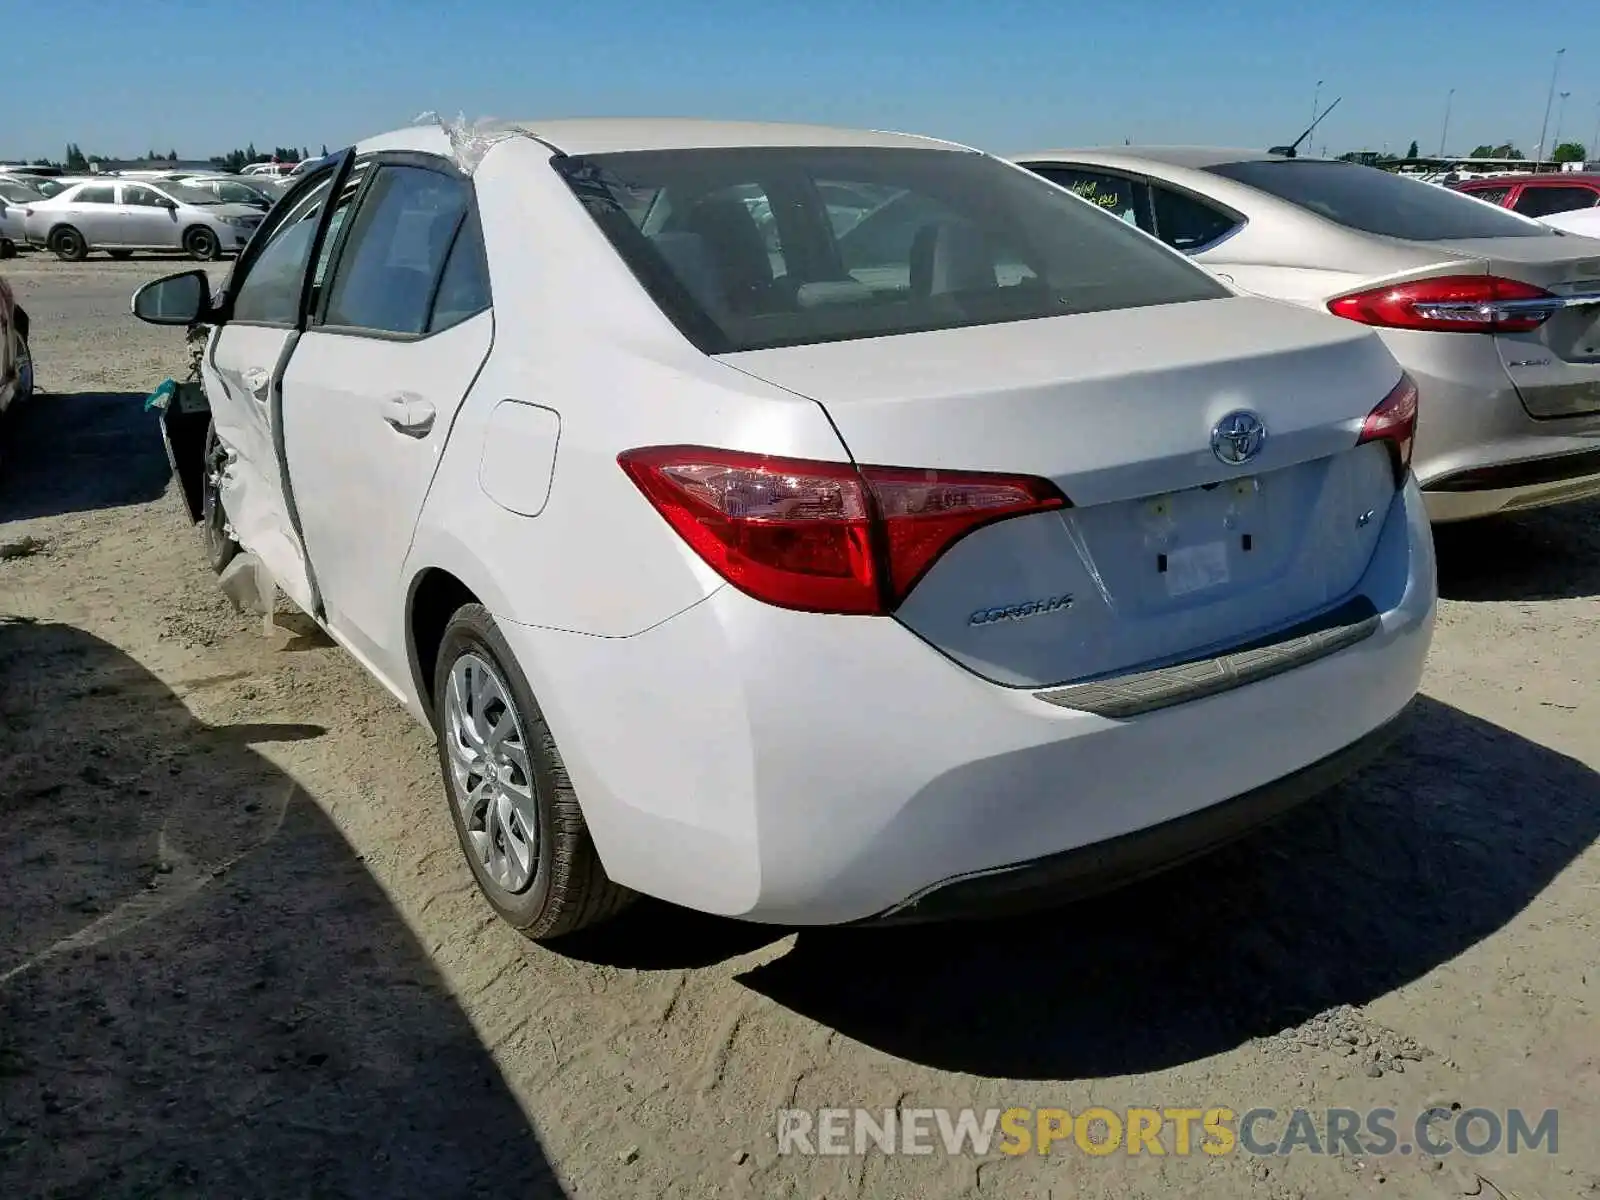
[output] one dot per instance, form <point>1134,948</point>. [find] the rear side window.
<point>753,248</point>
<point>464,286</point>
<point>1494,195</point>
<point>398,241</point>
<point>1186,223</point>
<point>1375,201</point>
<point>1545,199</point>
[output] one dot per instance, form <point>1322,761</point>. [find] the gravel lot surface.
<point>240,953</point>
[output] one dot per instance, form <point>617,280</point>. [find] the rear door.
<point>373,387</point>
<point>262,315</point>
<point>94,212</point>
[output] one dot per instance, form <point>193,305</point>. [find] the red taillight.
<point>1395,421</point>
<point>1451,304</point>
<point>819,536</point>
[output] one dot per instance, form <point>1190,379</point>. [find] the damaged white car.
<point>806,525</point>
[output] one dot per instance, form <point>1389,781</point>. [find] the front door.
<point>372,390</point>
<point>243,372</point>
<point>147,218</point>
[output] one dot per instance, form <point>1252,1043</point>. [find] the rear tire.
<point>8,248</point>
<point>220,548</point>
<point>510,797</point>
<point>202,245</point>
<point>120,255</point>
<point>68,244</point>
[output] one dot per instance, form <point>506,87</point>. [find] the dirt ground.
<point>241,955</point>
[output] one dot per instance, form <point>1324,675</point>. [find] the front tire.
<point>515,810</point>
<point>68,244</point>
<point>202,245</point>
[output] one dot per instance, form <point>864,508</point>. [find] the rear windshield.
<point>1376,201</point>
<point>747,249</point>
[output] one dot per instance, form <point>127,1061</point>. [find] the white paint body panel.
<point>729,755</point>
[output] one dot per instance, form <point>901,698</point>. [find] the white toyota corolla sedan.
<point>808,525</point>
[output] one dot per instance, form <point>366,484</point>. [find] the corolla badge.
<point>1238,437</point>
<point>1017,612</point>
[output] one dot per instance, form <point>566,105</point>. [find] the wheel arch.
<point>434,596</point>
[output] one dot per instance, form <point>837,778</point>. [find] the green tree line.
<point>234,160</point>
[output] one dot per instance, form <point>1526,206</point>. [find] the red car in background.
<point>1536,195</point>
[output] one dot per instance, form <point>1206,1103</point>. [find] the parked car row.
<point>52,212</point>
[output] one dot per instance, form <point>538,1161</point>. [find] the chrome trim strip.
<point>1146,691</point>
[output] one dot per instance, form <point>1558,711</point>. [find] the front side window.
<point>1494,195</point>
<point>141,196</point>
<point>96,194</point>
<point>397,245</point>
<point>270,292</point>
<point>946,239</point>
<point>1117,194</point>
<point>1376,201</point>
<point>1543,200</point>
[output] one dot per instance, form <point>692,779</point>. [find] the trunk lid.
<point>1168,550</point>
<point>1556,367</point>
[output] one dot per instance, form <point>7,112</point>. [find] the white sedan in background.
<point>1585,222</point>
<point>802,566</point>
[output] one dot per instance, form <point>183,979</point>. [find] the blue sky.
<point>119,77</point>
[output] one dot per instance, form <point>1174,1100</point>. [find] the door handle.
<point>409,416</point>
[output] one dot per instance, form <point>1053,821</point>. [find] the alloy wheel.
<point>490,773</point>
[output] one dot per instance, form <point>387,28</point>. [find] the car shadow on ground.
<point>1427,852</point>
<point>202,990</point>
<point>1546,554</point>
<point>114,456</point>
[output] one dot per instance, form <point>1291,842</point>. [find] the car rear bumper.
<point>1515,486</point>
<point>1102,866</point>
<point>1472,425</point>
<point>794,768</point>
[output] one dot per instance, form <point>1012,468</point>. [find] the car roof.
<point>1554,178</point>
<point>607,135</point>
<point>1193,157</point>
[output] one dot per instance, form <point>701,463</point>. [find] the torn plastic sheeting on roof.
<point>470,140</point>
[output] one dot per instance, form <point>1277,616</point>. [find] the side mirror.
<point>176,300</point>
<point>170,205</point>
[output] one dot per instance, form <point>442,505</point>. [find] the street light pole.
<point>1592,150</point>
<point>1561,115</point>
<point>1549,100</point>
<point>1445,132</point>
<point>1316,95</point>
